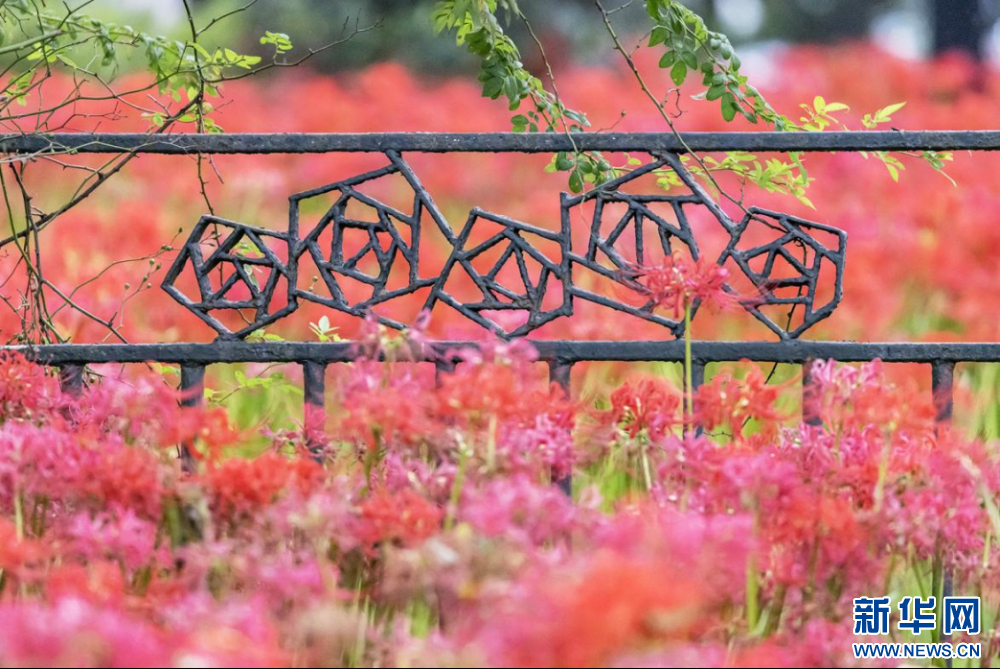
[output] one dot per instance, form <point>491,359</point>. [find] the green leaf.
<point>678,73</point>
<point>575,181</point>
<point>492,88</point>
<point>886,112</point>
<point>804,200</point>
<point>668,59</point>
<point>729,107</point>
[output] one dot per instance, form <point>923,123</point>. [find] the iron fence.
<point>278,252</point>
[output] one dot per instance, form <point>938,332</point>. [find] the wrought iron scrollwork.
<point>602,249</point>
<point>800,282</point>
<point>393,239</point>
<point>552,279</point>
<point>242,273</point>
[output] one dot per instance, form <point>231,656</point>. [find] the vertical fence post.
<point>192,395</point>
<point>442,367</point>
<point>697,381</point>
<point>943,388</point>
<point>314,407</point>
<point>559,374</point>
<point>71,380</point>
<point>71,383</point>
<point>942,385</point>
<point>810,396</point>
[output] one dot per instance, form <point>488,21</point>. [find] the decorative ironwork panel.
<point>540,289</point>
<point>802,271</point>
<point>391,238</point>
<point>551,278</point>
<point>241,274</point>
<point>639,214</point>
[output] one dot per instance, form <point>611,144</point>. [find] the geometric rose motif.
<point>238,276</point>
<point>370,242</point>
<point>784,257</point>
<point>509,277</point>
<point>617,247</point>
<point>521,288</point>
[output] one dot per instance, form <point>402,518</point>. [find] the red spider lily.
<point>18,555</point>
<point>117,534</point>
<point>76,632</point>
<point>606,605</point>
<point>27,391</point>
<point>507,388</point>
<point>146,412</point>
<point>499,392</point>
<point>402,516</point>
<point>387,405</point>
<point>521,509</point>
<point>98,582</point>
<point>845,396</point>
<point>540,449</point>
<point>206,430</point>
<point>125,477</point>
<point>730,401</point>
<point>240,486</point>
<point>679,282</point>
<point>650,404</point>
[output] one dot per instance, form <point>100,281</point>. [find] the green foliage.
<point>262,336</point>
<point>85,45</point>
<point>820,115</point>
<point>935,159</point>
<point>690,47</point>
<point>476,26</point>
<point>324,331</point>
<point>282,43</point>
<point>884,115</point>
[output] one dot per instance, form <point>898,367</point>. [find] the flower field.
<point>718,529</point>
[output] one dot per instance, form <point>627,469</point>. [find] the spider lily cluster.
<point>430,531</point>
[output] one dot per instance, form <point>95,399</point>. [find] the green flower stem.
<point>753,585</point>
<point>688,382</point>
<point>456,487</point>
<point>18,516</point>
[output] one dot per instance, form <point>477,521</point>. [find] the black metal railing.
<point>277,254</point>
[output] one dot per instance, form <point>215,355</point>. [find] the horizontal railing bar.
<point>426,142</point>
<point>563,351</point>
